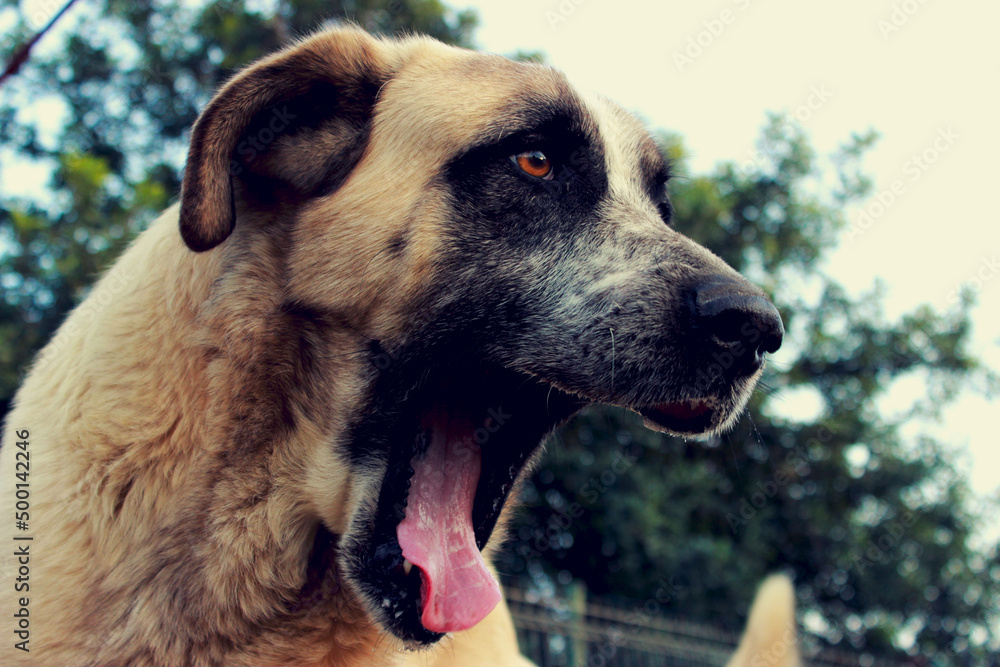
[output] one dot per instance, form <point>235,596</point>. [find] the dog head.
<point>497,246</point>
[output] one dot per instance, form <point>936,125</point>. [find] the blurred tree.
<point>875,531</point>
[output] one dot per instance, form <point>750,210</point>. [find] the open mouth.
<point>684,417</point>
<point>461,442</point>
<point>462,449</point>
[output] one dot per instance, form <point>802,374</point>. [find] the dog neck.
<point>256,385</point>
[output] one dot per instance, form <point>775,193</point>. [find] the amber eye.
<point>534,163</point>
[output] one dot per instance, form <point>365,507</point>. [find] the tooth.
<point>407,567</point>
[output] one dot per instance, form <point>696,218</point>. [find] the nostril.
<point>733,315</point>
<point>727,326</point>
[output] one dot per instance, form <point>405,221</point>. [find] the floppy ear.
<point>300,118</point>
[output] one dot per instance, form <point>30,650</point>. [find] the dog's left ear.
<point>300,117</point>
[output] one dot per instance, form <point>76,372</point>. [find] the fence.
<point>581,633</point>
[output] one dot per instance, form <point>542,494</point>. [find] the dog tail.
<point>770,638</point>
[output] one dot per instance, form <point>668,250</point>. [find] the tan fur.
<point>124,476</point>
<point>107,466</point>
<point>182,456</point>
<point>770,638</point>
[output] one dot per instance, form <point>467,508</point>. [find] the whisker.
<point>760,438</point>
<point>345,354</point>
<point>736,461</point>
<point>374,257</point>
<point>612,360</point>
<point>378,639</point>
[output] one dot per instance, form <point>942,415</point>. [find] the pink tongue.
<point>437,536</point>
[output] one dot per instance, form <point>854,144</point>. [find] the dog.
<point>286,426</point>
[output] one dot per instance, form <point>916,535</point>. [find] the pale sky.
<point>924,74</point>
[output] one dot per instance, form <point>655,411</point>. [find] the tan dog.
<point>286,433</point>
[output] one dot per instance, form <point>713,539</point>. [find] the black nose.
<point>738,319</point>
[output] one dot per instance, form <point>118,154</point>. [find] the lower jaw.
<point>509,415</point>
<point>689,417</point>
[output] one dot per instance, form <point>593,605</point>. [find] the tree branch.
<point>22,54</point>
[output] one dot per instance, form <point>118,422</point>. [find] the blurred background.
<point>842,155</point>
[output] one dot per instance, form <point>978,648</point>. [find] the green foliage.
<point>529,56</point>
<point>874,528</point>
